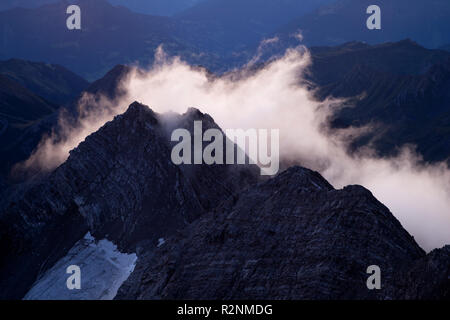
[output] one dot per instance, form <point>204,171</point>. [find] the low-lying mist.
<point>272,97</point>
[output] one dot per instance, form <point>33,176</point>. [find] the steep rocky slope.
<point>120,184</point>
<point>31,95</point>
<point>292,237</point>
<point>427,278</point>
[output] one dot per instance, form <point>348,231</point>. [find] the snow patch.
<point>103,270</point>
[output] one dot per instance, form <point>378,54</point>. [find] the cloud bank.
<point>272,97</point>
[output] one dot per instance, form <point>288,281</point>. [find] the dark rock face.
<point>226,237</point>
<point>52,82</point>
<point>292,237</point>
<point>120,184</point>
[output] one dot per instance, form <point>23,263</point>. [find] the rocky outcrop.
<point>20,112</point>
<point>292,237</point>
<point>428,278</point>
<point>121,185</point>
<point>208,232</point>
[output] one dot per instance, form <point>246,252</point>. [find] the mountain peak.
<point>300,177</point>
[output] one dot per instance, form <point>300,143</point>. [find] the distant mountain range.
<point>109,36</point>
<point>10,4</point>
<point>402,86</point>
<point>23,117</point>
<point>31,94</point>
<point>52,82</point>
<point>217,34</point>
<point>426,22</point>
<point>293,237</point>
<point>249,238</point>
<point>19,108</point>
<point>130,215</point>
<point>445,47</point>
